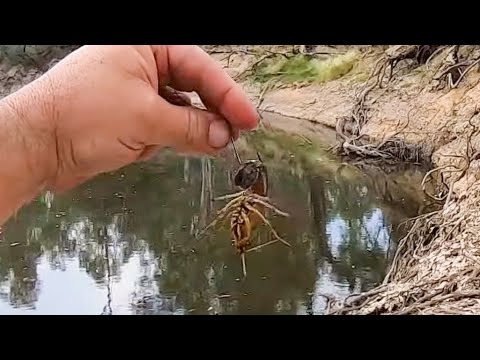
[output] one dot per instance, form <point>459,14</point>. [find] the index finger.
<point>189,68</point>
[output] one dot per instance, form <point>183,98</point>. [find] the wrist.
<point>27,146</point>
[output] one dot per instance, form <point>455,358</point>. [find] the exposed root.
<point>434,266</point>
<point>392,150</point>
<point>445,193</point>
<point>418,54</point>
<point>452,69</point>
<point>352,142</point>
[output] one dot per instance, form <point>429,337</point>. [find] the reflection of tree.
<point>358,261</point>
<point>23,282</point>
<point>152,210</point>
<point>319,215</point>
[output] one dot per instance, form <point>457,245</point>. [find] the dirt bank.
<point>424,111</point>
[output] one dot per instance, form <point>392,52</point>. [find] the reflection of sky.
<point>337,234</point>
<point>73,288</point>
<point>378,231</point>
<point>66,288</point>
<point>328,285</point>
<point>69,289</point>
<point>375,226</point>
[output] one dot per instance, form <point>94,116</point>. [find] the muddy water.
<point>124,242</point>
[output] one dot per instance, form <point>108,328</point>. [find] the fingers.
<point>186,129</point>
<point>189,68</point>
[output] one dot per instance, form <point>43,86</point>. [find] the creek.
<point>123,243</point>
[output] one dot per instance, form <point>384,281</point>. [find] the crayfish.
<point>247,209</point>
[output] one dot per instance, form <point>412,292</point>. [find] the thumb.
<point>189,129</point>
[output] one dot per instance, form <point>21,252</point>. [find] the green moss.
<point>302,68</point>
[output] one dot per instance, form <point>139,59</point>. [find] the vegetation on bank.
<point>305,68</point>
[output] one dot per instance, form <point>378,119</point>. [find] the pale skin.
<point>104,107</point>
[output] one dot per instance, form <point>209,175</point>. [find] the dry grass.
<point>302,68</point>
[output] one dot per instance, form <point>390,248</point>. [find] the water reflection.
<point>123,244</point>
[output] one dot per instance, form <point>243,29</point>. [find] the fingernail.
<point>219,134</point>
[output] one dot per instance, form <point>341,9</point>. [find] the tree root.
<point>453,270</point>
<point>445,194</point>
<point>452,70</point>
<point>354,144</point>
<point>419,54</point>
<point>392,150</point>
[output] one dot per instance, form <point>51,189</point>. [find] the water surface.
<point>124,242</point>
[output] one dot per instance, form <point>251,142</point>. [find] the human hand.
<point>101,109</point>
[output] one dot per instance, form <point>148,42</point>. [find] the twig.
<point>433,55</point>
<point>258,247</point>
<point>244,266</point>
<point>462,74</point>
<point>455,295</point>
<point>450,68</point>
<point>251,67</point>
<point>264,90</point>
